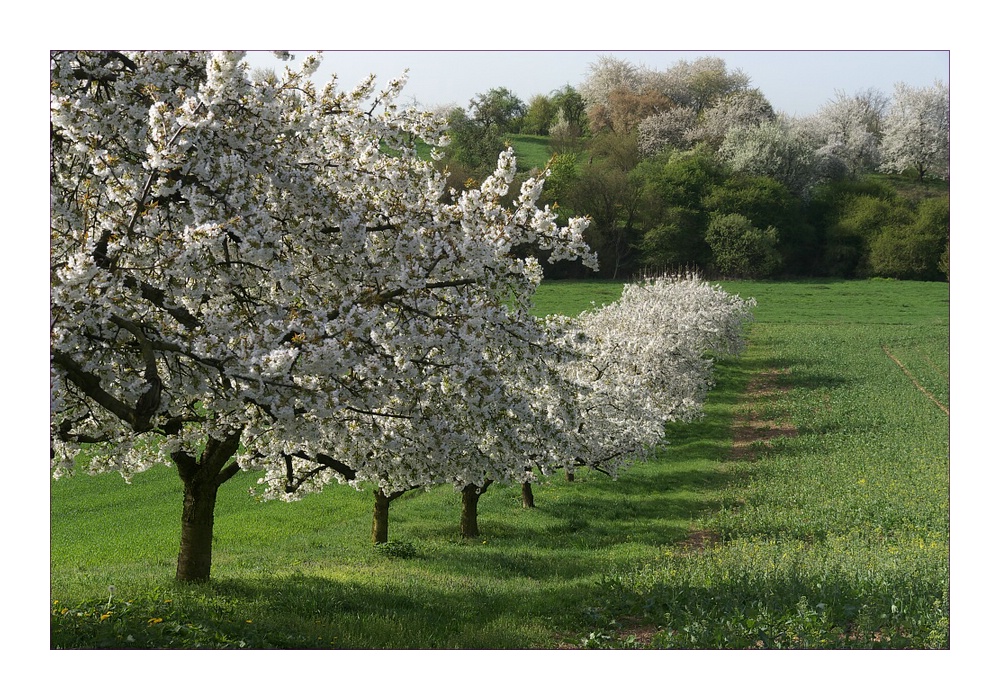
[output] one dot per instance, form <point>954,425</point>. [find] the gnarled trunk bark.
<point>527,497</point>
<point>469,524</point>
<point>194,561</point>
<point>380,518</point>
<point>202,476</point>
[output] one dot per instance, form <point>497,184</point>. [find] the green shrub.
<point>842,222</point>
<point>768,203</point>
<point>914,249</point>
<point>678,241</point>
<point>741,250</point>
<point>473,145</point>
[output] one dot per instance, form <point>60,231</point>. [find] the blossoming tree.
<point>258,273</point>
<point>450,370</point>
<point>627,370</point>
<point>918,131</point>
<point>648,362</point>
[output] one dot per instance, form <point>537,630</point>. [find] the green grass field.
<point>531,151</point>
<point>828,527</point>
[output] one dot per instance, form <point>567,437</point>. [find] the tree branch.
<point>388,295</point>
<point>158,299</point>
<point>149,403</point>
<point>91,386</point>
<point>325,462</point>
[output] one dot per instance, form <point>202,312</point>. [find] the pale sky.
<point>795,82</point>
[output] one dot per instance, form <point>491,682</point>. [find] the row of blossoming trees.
<point>257,273</point>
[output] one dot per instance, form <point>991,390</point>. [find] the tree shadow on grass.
<point>305,611</point>
<point>797,371</point>
<point>403,606</point>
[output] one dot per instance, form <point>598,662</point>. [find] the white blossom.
<point>918,131</point>
<point>273,262</point>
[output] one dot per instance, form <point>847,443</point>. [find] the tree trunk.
<point>380,518</point>
<point>194,562</point>
<point>202,476</point>
<point>527,497</point>
<point>569,475</point>
<point>470,507</point>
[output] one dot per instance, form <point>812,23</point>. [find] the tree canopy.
<point>268,264</point>
<point>918,131</point>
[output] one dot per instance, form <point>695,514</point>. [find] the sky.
<point>795,82</point>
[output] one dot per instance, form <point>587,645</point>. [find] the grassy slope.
<point>531,151</point>
<point>304,575</point>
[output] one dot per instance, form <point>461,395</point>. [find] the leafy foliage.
<point>677,242</point>
<point>498,109</point>
<point>741,250</point>
<point>768,204</point>
<point>472,144</point>
<point>873,229</point>
<point>572,110</point>
<point>540,113</point>
<point>916,250</point>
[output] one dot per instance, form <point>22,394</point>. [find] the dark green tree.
<point>768,203</point>
<point>841,240</point>
<point>474,146</point>
<point>478,134</point>
<point>671,214</point>
<point>740,249</point>
<point>571,108</point>
<point>913,250</point>
<point>676,241</point>
<point>498,109</point>
<point>610,198</point>
<point>618,150</point>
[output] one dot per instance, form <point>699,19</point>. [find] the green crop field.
<point>808,509</point>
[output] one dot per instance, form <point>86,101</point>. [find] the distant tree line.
<point>691,167</point>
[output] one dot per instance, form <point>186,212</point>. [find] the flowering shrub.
<point>645,361</point>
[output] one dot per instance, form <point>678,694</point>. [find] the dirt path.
<point>750,429</point>
<point>751,432</point>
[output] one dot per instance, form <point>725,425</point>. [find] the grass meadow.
<point>808,509</point>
